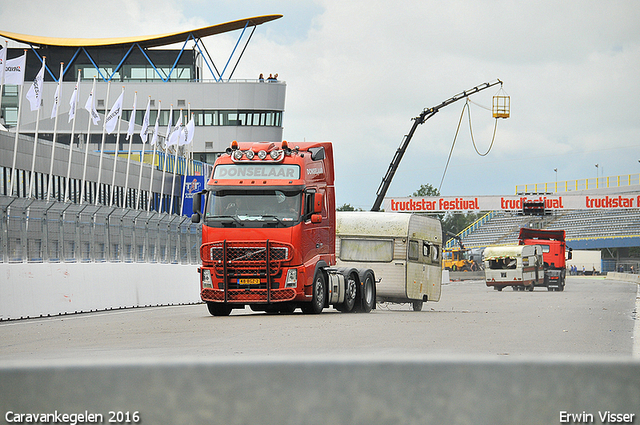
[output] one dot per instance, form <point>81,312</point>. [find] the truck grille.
<point>246,271</point>
<point>246,258</point>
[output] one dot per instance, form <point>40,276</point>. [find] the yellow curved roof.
<point>144,41</point>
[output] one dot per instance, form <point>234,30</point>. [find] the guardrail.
<point>37,231</point>
<point>609,182</point>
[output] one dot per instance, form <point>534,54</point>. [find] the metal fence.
<point>37,231</point>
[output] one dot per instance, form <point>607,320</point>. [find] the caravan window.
<point>374,250</point>
<point>414,253</point>
<point>434,253</point>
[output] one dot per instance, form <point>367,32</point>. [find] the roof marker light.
<point>249,154</point>
<point>234,145</point>
<point>262,154</point>
<point>237,155</point>
<point>275,154</point>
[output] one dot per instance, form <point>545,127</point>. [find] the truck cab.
<point>268,234</point>
<point>553,252</point>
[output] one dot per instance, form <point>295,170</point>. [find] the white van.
<point>404,250</point>
<point>519,266</point>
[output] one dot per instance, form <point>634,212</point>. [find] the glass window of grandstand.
<point>149,73</point>
<point>88,72</point>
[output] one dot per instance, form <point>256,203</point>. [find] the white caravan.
<point>404,250</point>
<point>519,266</point>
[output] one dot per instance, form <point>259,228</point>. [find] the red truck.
<point>269,233</point>
<point>553,254</point>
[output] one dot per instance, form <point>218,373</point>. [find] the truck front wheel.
<point>217,309</point>
<point>319,290</point>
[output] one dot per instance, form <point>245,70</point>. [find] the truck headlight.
<point>206,279</point>
<point>292,279</point>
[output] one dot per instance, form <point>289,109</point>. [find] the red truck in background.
<point>269,233</point>
<point>553,254</point>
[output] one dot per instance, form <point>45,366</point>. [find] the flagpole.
<point>166,151</point>
<point>73,129</point>
<point>186,172</point>
<point>175,166</point>
<point>144,142</point>
<point>4,65</point>
<point>15,143</point>
<point>104,135</point>
<point>35,139</point>
<point>86,150</point>
<point>117,151</point>
<point>55,130</point>
<point>130,137</point>
<point>153,160</point>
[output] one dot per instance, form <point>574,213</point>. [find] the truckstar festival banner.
<point>512,203</point>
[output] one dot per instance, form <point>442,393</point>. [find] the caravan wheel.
<point>417,305</point>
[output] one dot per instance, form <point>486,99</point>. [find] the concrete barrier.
<point>48,289</point>
<point>322,391</point>
<point>624,277</point>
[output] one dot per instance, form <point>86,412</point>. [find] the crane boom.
<point>424,116</point>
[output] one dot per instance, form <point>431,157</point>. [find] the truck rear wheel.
<point>417,305</point>
<point>366,295</point>
<point>318,295</point>
<point>351,293</point>
<point>217,309</point>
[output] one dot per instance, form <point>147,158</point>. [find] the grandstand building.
<point>183,78</point>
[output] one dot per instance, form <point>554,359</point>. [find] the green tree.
<point>348,207</point>
<point>426,190</point>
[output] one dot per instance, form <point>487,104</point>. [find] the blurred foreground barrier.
<point>328,391</point>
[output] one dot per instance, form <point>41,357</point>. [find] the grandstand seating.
<point>503,227</point>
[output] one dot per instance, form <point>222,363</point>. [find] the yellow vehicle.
<point>457,259</point>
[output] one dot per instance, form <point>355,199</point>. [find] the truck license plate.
<point>251,281</point>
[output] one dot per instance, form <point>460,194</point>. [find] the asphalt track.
<point>593,317</point>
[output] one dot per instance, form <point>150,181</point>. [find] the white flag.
<point>145,122</point>
<point>132,119</point>
<point>166,139</point>
<point>175,134</point>
<point>73,102</point>
<point>34,95</point>
<point>14,71</point>
<point>54,110</point>
<point>3,60</point>
<point>156,128</point>
<point>90,106</point>
<point>187,132</point>
<point>115,112</point>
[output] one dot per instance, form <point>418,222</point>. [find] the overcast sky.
<point>357,72</point>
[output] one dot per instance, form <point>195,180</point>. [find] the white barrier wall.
<point>48,289</point>
<point>624,277</point>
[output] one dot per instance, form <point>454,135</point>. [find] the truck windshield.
<point>253,208</point>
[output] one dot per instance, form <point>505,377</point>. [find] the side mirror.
<point>570,254</point>
<point>197,202</point>
<point>195,218</point>
<point>316,218</point>
<point>317,203</point>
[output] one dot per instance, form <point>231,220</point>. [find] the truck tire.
<point>366,297</point>
<point>417,305</point>
<point>319,291</point>
<point>217,309</point>
<point>351,293</point>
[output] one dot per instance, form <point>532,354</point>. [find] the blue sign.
<point>190,187</point>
